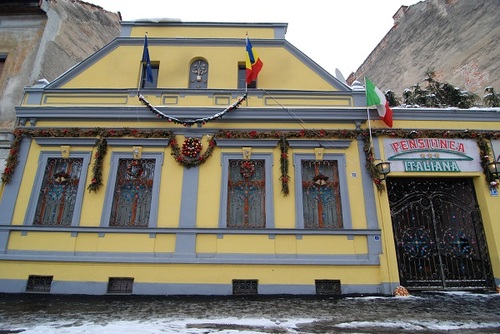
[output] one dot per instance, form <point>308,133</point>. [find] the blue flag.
<point>147,61</point>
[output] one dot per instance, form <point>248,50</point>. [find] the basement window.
<point>245,287</point>
<point>120,285</point>
<point>328,287</point>
<point>39,284</point>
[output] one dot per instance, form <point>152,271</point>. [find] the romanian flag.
<point>147,61</point>
<point>253,63</point>
<point>374,97</point>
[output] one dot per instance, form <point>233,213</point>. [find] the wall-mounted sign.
<point>432,155</point>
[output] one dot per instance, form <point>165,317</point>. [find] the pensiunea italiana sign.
<point>432,155</point>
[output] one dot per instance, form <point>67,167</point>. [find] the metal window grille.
<point>120,285</point>
<point>328,287</point>
<point>245,287</point>
<point>321,194</point>
<point>57,198</point>
<point>246,207</point>
<point>39,283</point>
<point>133,193</point>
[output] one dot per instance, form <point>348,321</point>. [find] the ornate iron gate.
<point>438,233</point>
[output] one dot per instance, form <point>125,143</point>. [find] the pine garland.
<point>96,182</point>
<point>481,138</point>
<point>13,158</point>
<point>370,163</point>
<point>485,154</point>
<point>285,190</point>
<point>186,161</point>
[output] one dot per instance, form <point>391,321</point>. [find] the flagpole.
<point>369,123</point>
<point>140,79</point>
<point>246,42</point>
<point>140,73</point>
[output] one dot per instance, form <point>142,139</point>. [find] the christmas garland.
<point>481,138</point>
<point>284,166</point>
<point>485,154</point>
<point>190,122</point>
<point>13,158</point>
<point>189,161</point>
<point>96,182</point>
<point>370,163</point>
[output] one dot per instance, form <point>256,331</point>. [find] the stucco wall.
<point>45,43</point>
<point>458,39</point>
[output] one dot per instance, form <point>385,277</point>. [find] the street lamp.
<point>383,169</point>
<point>494,168</point>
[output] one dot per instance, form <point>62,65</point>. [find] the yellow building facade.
<point>195,184</point>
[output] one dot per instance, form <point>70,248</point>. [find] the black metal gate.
<point>438,233</point>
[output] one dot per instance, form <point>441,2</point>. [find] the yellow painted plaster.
<point>246,244</point>
<point>137,243</point>
<point>43,241</point>
<point>206,243</point>
<point>169,201</point>
<point>164,243</point>
<point>191,274</point>
<point>206,32</point>
<point>322,244</point>
<point>121,69</point>
<point>490,211</point>
<point>209,189</point>
<point>26,189</point>
<point>86,242</point>
<point>285,244</point>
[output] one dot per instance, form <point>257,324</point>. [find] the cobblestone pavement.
<point>457,312</point>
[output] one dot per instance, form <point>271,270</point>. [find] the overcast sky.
<point>333,33</point>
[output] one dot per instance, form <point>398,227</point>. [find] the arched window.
<point>198,74</point>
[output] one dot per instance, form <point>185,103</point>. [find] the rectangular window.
<point>246,205</point>
<point>242,78</point>
<point>245,287</point>
<point>328,287</point>
<point>146,84</point>
<point>322,207</point>
<point>120,285</point>
<point>133,192</point>
<point>58,193</point>
<point>38,283</point>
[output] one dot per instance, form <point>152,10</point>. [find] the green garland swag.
<point>481,138</point>
<point>187,161</point>
<point>285,190</point>
<point>96,182</point>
